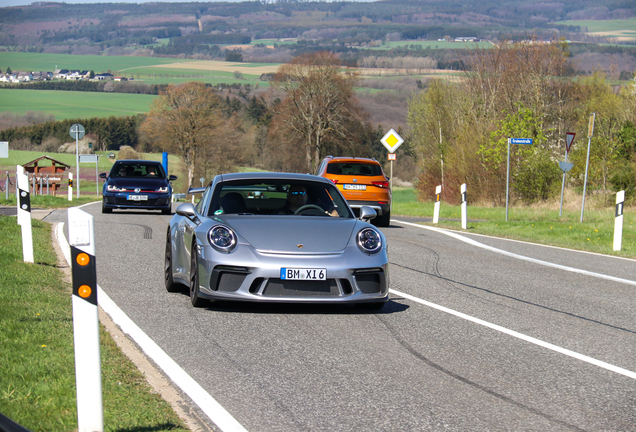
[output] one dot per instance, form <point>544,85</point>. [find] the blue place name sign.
<point>521,141</point>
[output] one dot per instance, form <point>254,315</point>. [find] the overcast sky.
<point>4,3</point>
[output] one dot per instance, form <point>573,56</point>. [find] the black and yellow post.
<point>84,275</point>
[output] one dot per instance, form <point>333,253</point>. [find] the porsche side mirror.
<point>367,213</point>
<point>186,210</point>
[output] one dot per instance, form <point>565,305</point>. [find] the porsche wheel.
<point>171,285</point>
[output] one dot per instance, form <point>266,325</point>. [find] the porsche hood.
<point>295,234</point>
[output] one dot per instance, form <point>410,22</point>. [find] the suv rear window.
<point>359,169</point>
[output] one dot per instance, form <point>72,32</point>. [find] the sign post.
<point>527,141</point>
<point>590,133</point>
<point>24,213</point>
<point>88,374</point>
<point>566,166</point>
<point>391,140</point>
<point>77,131</point>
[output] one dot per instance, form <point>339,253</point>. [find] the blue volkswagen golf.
<point>137,184</point>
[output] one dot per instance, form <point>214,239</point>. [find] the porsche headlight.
<point>222,238</point>
<point>113,188</point>
<point>162,189</point>
<point>369,240</point>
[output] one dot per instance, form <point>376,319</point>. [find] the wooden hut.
<point>54,171</point>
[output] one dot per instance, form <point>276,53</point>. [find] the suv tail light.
<point>381,184</point>
<point>335,181</point>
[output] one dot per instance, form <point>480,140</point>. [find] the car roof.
<point>271,176</point>
<point>138,161</point>
<point>352,159</point>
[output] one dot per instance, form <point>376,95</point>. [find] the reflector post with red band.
<point>88,374</point>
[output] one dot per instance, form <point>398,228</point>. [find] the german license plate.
<point>303,274</point>
<point>354,187</point>
<point>138,197</point>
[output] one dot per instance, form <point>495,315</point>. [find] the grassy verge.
<point>48,201</point>
<point>537,225</point>
<point>37,369</point>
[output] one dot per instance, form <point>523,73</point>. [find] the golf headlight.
<point>369,240</point>
<point>162,189</point>
<point>113,188</point>
<point>222,238</point>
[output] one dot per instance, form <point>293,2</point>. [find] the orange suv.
<point>362,182</point>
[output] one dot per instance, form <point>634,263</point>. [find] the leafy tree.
<point>607,146</point>
<point>319,102</point>
<point>184,119</point>
<point>532,173</point>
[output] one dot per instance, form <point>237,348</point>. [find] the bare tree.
<point>184,119</point>
<point>319,97</point>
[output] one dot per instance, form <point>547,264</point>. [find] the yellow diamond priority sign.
<point>391,141</point>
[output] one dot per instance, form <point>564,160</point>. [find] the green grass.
<point>66,105</point>
<point>37,369</point>
<point>47,62</point>
<point>604,25</point>
<point>532,224</point>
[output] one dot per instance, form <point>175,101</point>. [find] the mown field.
<point>77,105</point>
<point>74,105</point>
<point>625,28</point>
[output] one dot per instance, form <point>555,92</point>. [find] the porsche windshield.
<point>301,198</point>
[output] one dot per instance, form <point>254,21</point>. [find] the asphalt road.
<point>521,346</point>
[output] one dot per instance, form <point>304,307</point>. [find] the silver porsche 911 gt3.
<point>275,237</point>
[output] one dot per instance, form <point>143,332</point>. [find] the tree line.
<point>460,129</point>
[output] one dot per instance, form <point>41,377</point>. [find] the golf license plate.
<point>354,187</point>
<point>138,197</point>
<point>303,274</point>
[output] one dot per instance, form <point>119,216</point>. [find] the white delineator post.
<point>88,374</point>
<point>438,191</point>
<point>70,186</point>
<point>464,207</point>
<point>618,221</point>
<point>24,213</point>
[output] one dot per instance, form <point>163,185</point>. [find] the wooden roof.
<point>56,162</point>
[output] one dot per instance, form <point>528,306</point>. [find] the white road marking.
<point>513,333</point>
<point>521,257</point>
<point>518,335</point>
<point>189,386</point>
